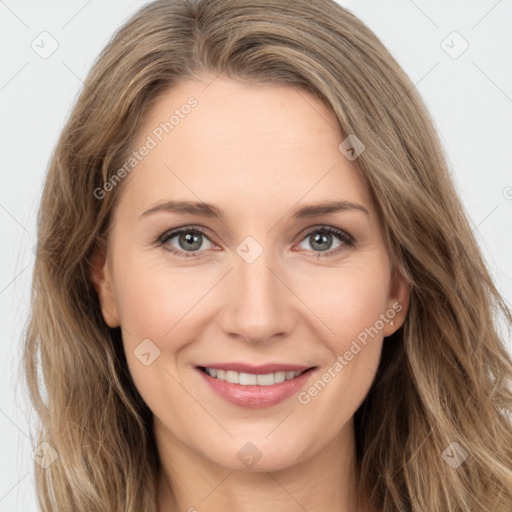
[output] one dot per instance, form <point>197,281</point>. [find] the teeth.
<point>280,377</point>
<point>250,379</point>
<point>247,379</point>
<point>232,377</point>
<point>266,380</point>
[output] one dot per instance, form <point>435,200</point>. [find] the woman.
<point>201,347</point>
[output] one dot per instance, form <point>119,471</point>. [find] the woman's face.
<point>261,276</point>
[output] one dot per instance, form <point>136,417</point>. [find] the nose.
<point>258,304</point>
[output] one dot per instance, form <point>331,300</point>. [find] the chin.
<point>258,454</point>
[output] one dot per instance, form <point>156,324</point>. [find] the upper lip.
<point>257,370</point>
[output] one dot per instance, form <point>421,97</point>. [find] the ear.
<point>398,302</point>
<point>101,277</point>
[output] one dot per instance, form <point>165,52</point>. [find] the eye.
<point>188,240</point>
<point>321,239</point>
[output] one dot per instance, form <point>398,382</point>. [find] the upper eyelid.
<point>171,233</point>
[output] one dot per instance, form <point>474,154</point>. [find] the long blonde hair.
<point>442,388</point>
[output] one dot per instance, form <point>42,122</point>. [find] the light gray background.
<point>470,98</point>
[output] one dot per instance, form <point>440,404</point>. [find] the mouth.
<point>253,379</point>
<point>255,387</point>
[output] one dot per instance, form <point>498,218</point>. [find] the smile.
<point>255,390</point>
<point>251,379</point>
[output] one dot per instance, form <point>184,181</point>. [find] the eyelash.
<point>348,240</point>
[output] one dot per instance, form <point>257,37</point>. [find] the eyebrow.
<point>211,211</point>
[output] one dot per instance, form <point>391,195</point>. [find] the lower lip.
<point>256,397</point>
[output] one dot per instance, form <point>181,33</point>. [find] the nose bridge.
<point>256,303</point>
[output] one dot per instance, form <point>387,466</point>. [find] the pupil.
<point>319,238</point>
<point>190,239</point>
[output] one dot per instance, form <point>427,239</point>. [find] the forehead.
<point>257,146</point>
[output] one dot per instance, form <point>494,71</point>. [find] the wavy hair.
<point>444,376</point>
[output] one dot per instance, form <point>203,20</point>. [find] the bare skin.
<point>257,153</point>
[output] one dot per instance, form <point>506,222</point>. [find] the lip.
<point>256,370</point>
<point>257,397</point>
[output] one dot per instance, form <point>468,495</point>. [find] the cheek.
<point>145,303</point>
<point>153,297</point>
<point>348,300</point>
<point>164,305</point>
<point>153,302</point>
